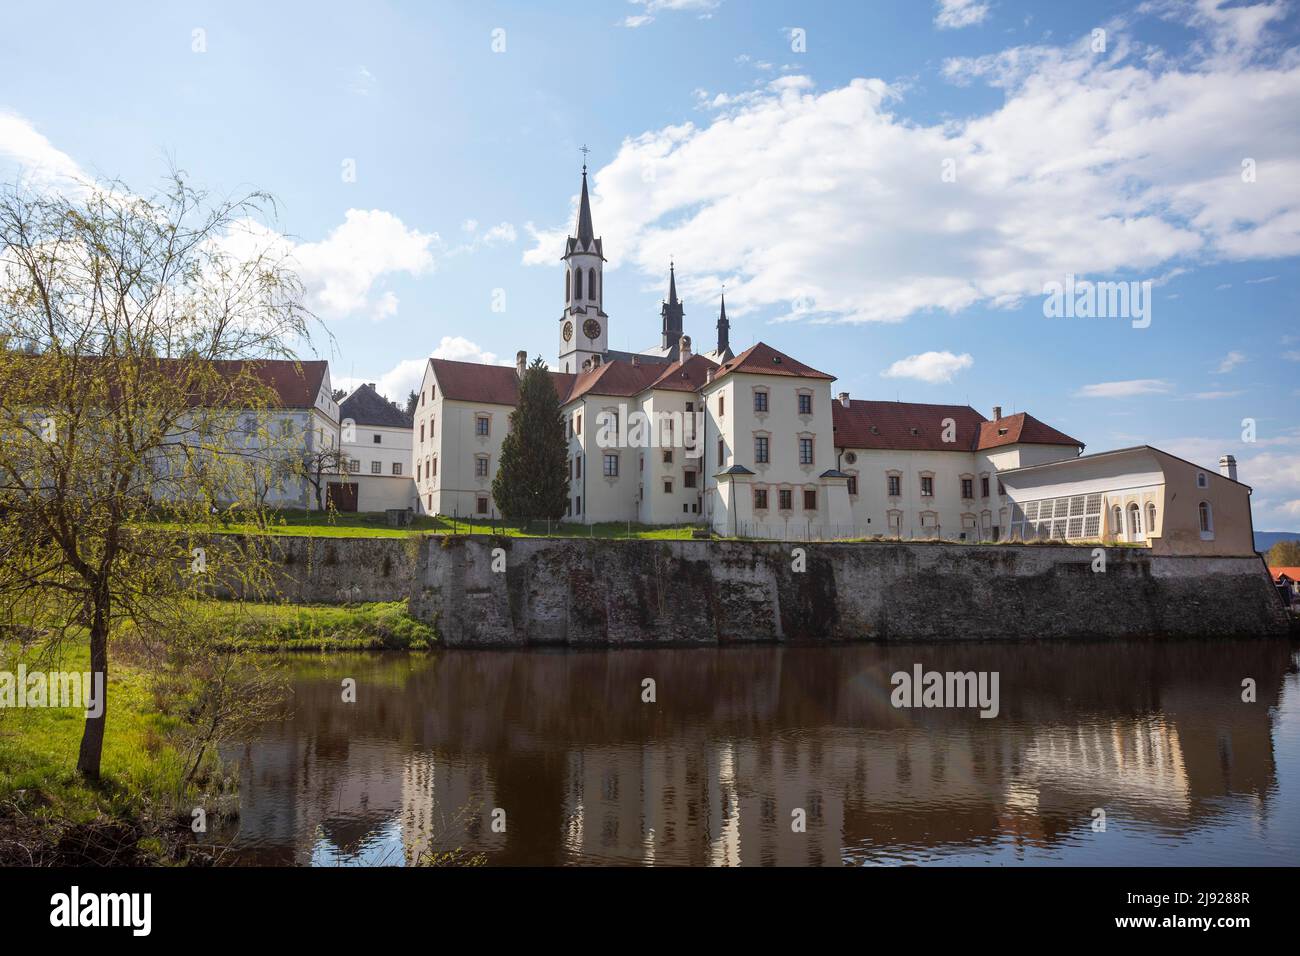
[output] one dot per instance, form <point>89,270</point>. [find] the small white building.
<point>375,439</point>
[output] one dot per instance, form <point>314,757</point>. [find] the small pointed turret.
<point>724,333</point>
<point>672,313</point>
<point>585,232</point>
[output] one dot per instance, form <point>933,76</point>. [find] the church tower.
<point>724,353</point>
<point>672,317</point>
<point>583,323</point>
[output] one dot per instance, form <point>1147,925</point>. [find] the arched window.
<point>591,283</point>
<point>1116,520</point>
<point>1134,520</point>
<point>1151,517</point>
<point>567,281</point>
<point>577,283</point>
<point>1207,518</point>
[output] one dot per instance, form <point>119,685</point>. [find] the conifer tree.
<point>533,477</point>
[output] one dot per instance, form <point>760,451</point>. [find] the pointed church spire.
<point>585,232</point>
<point>672,284</point>
<point>724,333</point>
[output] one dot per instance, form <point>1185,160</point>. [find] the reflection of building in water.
<point>1134,762</point>
<point>446,806</point>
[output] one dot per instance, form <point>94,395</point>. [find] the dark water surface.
<point>1154,734</point>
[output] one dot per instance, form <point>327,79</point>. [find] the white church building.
<point>758,444</point>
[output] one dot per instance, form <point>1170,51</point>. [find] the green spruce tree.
<point>533,477</point>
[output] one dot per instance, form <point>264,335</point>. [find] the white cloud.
<point>637,20</point>
<point>1271,466</point>
<point>702,8</point>
<point>1291,356</point>
<point>26,154</point>
<point>1126,389</point>
<point>405,377</point>
<point>1210,396</point>
<point>1231,361</point>
<point>955,14</point>
<point>1121,164</point>
<point>932,367</point>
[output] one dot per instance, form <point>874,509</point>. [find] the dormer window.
<point>1001,432</point>
<point>1201,480</point>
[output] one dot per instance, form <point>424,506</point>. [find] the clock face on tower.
<point>568,331</point>
<point>591,329</point>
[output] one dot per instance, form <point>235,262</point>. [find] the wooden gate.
<point>341,495</point>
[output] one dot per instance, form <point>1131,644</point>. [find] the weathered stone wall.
<point>308,570</point>
<point>595,593</point>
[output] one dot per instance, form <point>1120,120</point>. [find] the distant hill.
<point>1266,539</point>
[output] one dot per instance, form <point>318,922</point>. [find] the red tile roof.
<point>1277,572</point>
<point>296,384</point>
<point>903,425</point>
<point>762,359</point>
<point>615,378</point>
<point>688,376</point>
<point>1021,428</point>
<point>918,426</point>
<point>487,384</point>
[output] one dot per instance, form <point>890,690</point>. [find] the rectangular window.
<point>480,467</point>
<point>480,425</point>
<point>577,504</point>
<point>577,463</point>
<point>853,484</point>
<point>688,479</point>
<point>760,499</point>
<point>397,467</point>
<point>785,498</point>
<point>722,405</point>
<point>668,486</point>
<point>1001,489</point>
<point>805,451</point>
<point>690,407</point>
<point>895,486</point>
<point>435,467</point>
<point>579,427</point>
<point>354,466</point>
<point>611,466</point>
<point>760,401</point>
<point>927,486</point>
<point>760,448</point>
<point>376,467</point>
<point>809,499</point>
<point>722,449</point>
<point>686,508</point>
<point>805,404</point>
<point>433,420</point>
<point>668,457</point>
<point>433,393</point>
<point>378,438</point>
<point>984,487</point>
<point>968,488</point>
<point>421,431</point>
<point>482,505</point>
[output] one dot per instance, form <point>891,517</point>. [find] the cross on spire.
<point>584,149</point>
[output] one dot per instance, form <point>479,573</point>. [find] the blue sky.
<point>805,170</point>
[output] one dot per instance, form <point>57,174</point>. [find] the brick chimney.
<point>997,412</point>
<point>521,363</point>
<point>684,347</point>
<point>844,399</point>
<point>1228,467</point>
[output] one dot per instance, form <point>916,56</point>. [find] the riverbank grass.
<point>289,627</point>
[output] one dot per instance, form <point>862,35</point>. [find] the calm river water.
<point>742,741</point>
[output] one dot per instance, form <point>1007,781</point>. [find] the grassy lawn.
<point>375,525</point>
<point>38,748</point>
<point>288,627</point>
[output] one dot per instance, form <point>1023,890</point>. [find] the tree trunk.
<point>92,738</point>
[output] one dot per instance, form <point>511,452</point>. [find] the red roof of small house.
<point>762,359</point>
<point>296,384</point>
<point>1291,574</point>
<point>487,384</point>
<point>1023,429</point>
<point>616,377</point>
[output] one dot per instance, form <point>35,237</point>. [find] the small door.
<point>341,496</point>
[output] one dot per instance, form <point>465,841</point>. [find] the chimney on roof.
<point>997,412</point>
<point>521,362</point>
<point>708,375</point>
<point>636,361</point>
<point>684,347</point>
<point>1228,467</point>
<point>586,365</point>
<point>844,399</point>
<point>370,385</point>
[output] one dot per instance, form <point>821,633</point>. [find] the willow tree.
<point>131,332</point>
<point>532,479</point>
